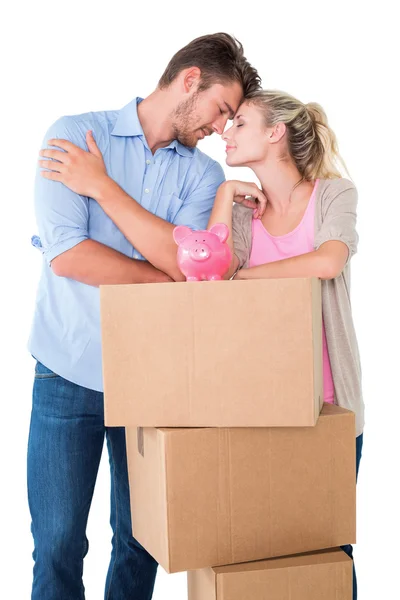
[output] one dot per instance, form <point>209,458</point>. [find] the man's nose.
<point>219,125</point>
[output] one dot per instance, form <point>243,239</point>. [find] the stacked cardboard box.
<point>325,575</point>
<point>219,386</point>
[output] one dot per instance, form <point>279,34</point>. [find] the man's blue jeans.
<point>65,444</point>
<point>349,549</point>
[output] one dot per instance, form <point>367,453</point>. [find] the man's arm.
<point>151,235</point>
<point>62,218</point>
<point>96,264</point>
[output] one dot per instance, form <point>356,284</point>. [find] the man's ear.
<point>191,78</point>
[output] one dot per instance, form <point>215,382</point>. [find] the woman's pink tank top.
<point>268,248</point>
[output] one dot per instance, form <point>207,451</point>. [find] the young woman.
<point>303,224</point>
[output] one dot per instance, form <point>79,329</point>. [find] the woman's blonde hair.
<point>311,142</point>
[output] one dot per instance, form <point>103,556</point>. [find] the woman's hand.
<point>83,172</point>
<point>248,194</point>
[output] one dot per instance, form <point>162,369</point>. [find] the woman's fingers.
<point>261,203</point>
<point>258,202</point>
<point>250,202</point>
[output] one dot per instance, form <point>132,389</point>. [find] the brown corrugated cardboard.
<point>325,575</point>
<point>211,496</point>
<point>226,353</point>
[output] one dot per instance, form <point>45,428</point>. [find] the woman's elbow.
<point>333,256</point>
<point>330,269</point>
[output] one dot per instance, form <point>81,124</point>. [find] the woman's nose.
<point>226,135</point>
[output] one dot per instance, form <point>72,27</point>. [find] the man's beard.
<point>184,119</point>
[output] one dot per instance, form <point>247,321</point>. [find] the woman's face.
<point>246,141</point>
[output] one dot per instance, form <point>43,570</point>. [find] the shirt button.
<point>146,191</point>
<point>148,162</point>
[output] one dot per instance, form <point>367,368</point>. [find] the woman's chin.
<point>233,161</point>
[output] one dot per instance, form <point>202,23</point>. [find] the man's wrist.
<point>145,272</point>
<point>105,189</point>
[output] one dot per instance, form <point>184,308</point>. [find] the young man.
<point>149,150</point>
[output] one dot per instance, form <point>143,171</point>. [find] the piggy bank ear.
<point>180,233</point>
<point>221,230</point>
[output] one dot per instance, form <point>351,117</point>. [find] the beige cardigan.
<point>335,219</point>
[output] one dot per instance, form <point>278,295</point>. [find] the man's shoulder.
<point>99,117</point>
<point>74,127</point>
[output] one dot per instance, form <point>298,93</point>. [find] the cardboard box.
<point>318,576</point>
<point>217,354</point>
<point>209,496</point>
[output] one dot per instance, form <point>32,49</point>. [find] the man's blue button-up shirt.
<point>177,183</point>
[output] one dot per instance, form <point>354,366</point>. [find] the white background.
<point>63,58</point>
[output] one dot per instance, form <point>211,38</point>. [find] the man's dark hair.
<point>219,57</point>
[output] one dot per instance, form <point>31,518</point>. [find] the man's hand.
<point>82,172</point>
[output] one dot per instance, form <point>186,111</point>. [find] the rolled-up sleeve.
<point>61,215</point>
<point>196,209</point>
<point>340,217</point>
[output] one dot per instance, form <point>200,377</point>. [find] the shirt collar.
<point>128,125</point>
<point>181,149</point>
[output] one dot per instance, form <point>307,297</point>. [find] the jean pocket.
<point>42,372</point>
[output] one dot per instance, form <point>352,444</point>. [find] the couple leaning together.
<point>106,210</point>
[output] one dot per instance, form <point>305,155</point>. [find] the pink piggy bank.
<point>203,255</point>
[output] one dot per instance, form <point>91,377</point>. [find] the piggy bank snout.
<point>200,251</point>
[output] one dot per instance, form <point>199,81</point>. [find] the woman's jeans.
<point>349,549</point>
<point>65,445</point>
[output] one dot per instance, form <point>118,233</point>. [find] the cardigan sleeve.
<point>241,233</point>
<point>339,216</point>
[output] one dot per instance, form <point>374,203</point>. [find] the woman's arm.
<point>326,263</point>
<point>339,216</point>
<point>222,212</point>
<point>335,242</point>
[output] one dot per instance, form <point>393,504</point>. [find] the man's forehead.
<point>232,99</point>
<point>229,109</point>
